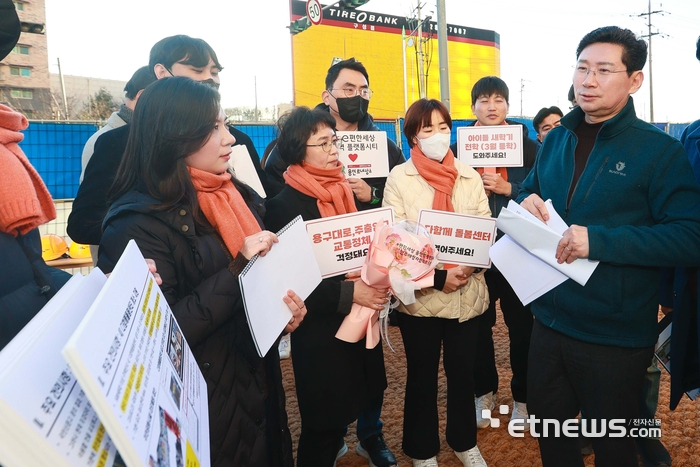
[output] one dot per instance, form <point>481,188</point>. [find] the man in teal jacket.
<point>628,193</point>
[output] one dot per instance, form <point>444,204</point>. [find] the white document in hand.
<point>289,265</point>
<point>540,241</point>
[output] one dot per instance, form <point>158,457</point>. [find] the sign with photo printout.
<point>364,154</point>
<point>132,360</point>
<point>460,238</point>
<point>341,243</point>
<point>490,146</point>
<point>45,416</point>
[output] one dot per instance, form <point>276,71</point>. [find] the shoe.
<point>520,413</point>
<point>375,450</point>
<point>471,458</point>
<point>652,452</point>
<point>285,347</point>
<point>432,462</point>
<point>341,452</point>
<point>485,402</point>
<point>585,445</point>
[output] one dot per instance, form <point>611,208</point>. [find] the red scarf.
<point>441,176</point>
<point>25,202</point>
<point>329,186</point>
<point>224,208</point>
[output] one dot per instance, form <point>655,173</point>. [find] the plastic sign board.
<point>341,243</point>
<point>363,153</point>
<point>490,146</point>
<point>460,238</point>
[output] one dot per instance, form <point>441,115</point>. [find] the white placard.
<point>243,167</point>
<point>460,238</point>
<point>490,146</point>
<point>132,360</point>
<point>364,154</point>
<point>341,242</point>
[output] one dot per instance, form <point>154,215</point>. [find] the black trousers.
<point>319,448</point>
<point>603,381</point>
<point>423,339</point>
<point>518,319</point>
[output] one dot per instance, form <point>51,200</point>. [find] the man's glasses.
<point>366,93</point>
<point>598,73</point>
<point>326,145</point>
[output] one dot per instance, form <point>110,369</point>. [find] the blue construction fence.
<point>55,148</point>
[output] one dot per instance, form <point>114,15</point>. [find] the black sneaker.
<point>375,450</point>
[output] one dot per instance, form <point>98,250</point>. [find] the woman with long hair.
<point>334,379</point>
<point>175,195</point>
<point>442,316</point>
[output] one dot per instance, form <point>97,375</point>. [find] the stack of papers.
<point>526,254</point>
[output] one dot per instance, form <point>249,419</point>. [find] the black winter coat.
<point>248,422</point>
<point>334,379</point>
<point>91,204</point>
<point>26,282</point>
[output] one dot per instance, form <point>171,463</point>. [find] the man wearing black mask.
<point>346,97</point>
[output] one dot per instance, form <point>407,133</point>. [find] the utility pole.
<point>255,80</point>
<point>442,54</point>
<point>649,35</point>
<point>63,89</point>
<point>421,61</point>
<point>522,86</point>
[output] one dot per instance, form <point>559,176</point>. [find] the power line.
<point>650,34</point>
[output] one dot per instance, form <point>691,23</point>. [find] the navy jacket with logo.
<point>641,204</point>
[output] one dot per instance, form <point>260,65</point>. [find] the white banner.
<point>460,238</point>
<point>341,243</point>
<point>363,153</point>
<point>490,146</point>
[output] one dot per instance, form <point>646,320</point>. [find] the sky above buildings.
<point>107,39</point>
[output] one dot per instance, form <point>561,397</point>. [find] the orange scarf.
<point>25,202</point>
<point>502,171</point>
<point>441,176</point>
<point>329,186</point>
<point>224,208</point>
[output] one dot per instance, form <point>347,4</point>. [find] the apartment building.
<point>24,73</point>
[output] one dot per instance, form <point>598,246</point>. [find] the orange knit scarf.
<point>224,208</point>
<point>329,186</point>
<point>441,176</point>
<point>25,202</point>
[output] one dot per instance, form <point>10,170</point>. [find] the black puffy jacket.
<point>248,422</point>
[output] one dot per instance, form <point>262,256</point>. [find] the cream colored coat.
<point>407,192</point>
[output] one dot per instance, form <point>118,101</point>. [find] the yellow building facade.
<point>391,58</point>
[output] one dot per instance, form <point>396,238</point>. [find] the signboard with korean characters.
<point>490,146</point>
<point>363,153</point>
<point>460,238</point>
<point>341,243</point>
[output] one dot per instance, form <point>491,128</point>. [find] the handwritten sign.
<point>341,243</point>
<point>490,146</point>
<point>460,238</point>
<point>363,153</point>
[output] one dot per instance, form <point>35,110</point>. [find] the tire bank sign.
<point>377,41</point>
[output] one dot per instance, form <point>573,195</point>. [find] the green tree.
<point>99,107</point>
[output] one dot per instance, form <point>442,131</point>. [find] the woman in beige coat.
<point>442,316</point>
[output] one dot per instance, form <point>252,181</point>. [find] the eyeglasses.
<point>326,145</point>
<point>366,93</point>
<point>599,73</point>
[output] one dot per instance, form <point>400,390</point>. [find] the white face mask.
<point>436,146</point>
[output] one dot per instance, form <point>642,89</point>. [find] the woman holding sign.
<point>334,379</point>
<point>174,194</point>
<point>442,316</point>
